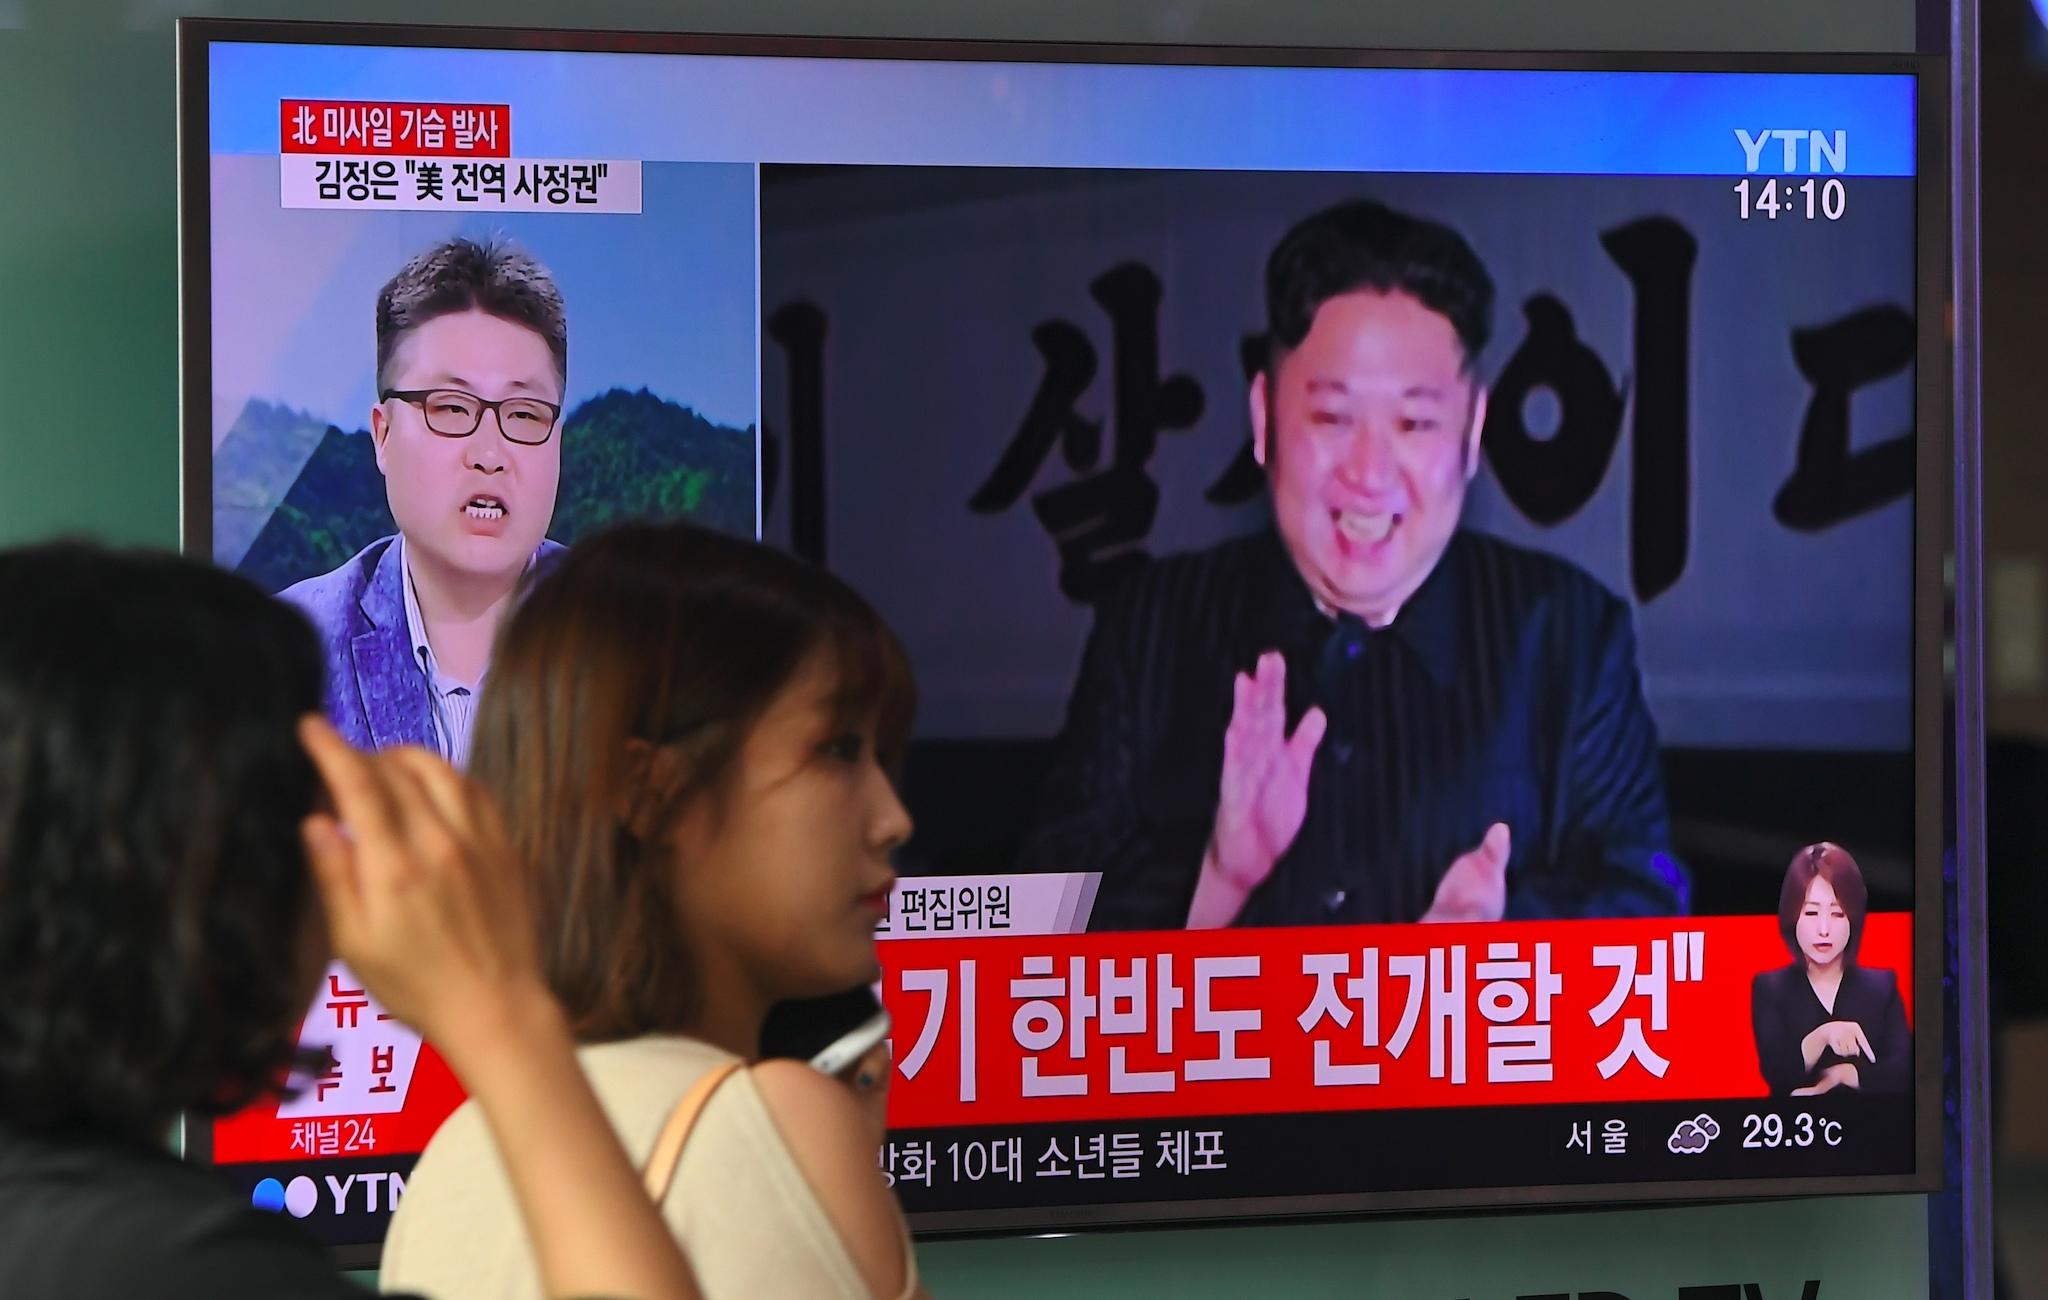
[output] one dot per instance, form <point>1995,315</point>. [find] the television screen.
<point>1423,572</point>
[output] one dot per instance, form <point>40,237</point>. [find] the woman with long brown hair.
<point>692,737</point>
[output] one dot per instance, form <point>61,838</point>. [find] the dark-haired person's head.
<point>1368,412</point>
<point>693,736</point>
<point>1822,906</point>
<point>158,939</point>
<point>472,368</point>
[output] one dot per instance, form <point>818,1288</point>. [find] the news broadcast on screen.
<point>1421,573</point>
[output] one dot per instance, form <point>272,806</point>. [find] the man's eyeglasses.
<point>453,413</point>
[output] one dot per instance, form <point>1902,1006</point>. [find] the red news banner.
<point>259,1134</point>
<point>359,127</point>
<point>1237,1022</point>
<point>409,156</point>
<point>1050,1028</point>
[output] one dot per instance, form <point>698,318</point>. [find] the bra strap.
<point>675,1133</point>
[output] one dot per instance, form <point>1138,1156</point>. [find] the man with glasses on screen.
<point>472,365</point>
<point>1369,713</point>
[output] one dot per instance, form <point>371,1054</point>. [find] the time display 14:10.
<point>1809,198</point>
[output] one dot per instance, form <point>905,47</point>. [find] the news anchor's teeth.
<point>1369,529</point>
<point>485,508</point>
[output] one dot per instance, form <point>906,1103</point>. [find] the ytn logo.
<point>301,1196</point>
<point>1821,148</point>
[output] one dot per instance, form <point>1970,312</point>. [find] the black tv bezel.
<point>1933,523</point>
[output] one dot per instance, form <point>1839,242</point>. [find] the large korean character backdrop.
<point>414,410</point>
<point>995,398</point>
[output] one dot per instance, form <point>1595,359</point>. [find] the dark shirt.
<point>1505,690</point>
<point>1784,1009</point>
<point>89,1219</point>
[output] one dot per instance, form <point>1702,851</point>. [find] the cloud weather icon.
<point>1692,1136</point>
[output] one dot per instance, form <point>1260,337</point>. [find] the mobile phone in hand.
<point>833,1032</point>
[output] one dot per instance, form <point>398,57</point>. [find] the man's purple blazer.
<point>376,689</point>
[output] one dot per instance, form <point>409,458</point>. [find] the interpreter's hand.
<point>1264,793</point>
<point>422,898</point>
<point>1842,1037</point>
<point>1835,1076</point>
<point>1476,886</point>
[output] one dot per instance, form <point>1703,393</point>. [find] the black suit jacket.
<point>1505,690</point>
<point>1784,1010</point>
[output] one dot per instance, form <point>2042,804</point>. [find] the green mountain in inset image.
<point>625,455</point>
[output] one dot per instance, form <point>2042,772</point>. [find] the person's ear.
<point>1258,414</point>
<point>380,429</point>
<point>1472,434</point>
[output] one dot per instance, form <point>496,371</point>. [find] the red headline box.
<point>1233,1022</point>
<point>257,1134</point>
<point>1080,1028</point>
<point>355,127</point>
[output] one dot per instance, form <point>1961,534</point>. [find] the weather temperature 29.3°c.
<point>1801,1130</point>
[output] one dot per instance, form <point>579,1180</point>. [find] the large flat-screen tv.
<point>1414,563</point>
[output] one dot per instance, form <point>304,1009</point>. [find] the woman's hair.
<point>153,892</point>
<point>1832,863</point>
<point>675,636</point>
